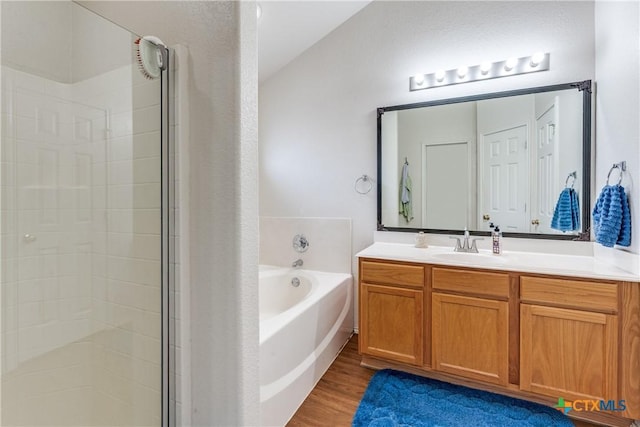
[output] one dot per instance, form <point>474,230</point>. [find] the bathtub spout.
<point>297,263</point>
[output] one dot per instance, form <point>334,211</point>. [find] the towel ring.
<point>622,166</point>
<point>573,175</point>
<point>364,179</point>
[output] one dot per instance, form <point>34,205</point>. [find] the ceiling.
<point>288,28</point>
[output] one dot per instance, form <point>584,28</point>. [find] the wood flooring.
<point>335,398</point>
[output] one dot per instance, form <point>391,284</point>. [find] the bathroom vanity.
<point>534,326</point>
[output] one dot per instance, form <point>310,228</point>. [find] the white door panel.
<point>505,180</point>
<point>546,196</point>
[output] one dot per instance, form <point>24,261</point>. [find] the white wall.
<point>329,243</point>
<point>33,24</point>
<point>222,183</point>
<point>318,114</point>
<point>98,49</point>
<point>454,123</point>
<point>390,176</point>
<point>67,58</point>
<point>617,104</point>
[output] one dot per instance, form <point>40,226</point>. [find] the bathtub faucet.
<point>297,263</point>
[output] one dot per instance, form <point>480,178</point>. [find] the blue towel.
<point>612,217</point>
<point>566,216</point>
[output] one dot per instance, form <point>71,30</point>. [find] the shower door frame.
<point>168,256</point>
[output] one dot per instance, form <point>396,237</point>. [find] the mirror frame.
<point>582,86</point>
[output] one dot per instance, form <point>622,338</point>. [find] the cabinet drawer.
<point>392,274</point>
<point>571,293</point>
<point>471,282</point>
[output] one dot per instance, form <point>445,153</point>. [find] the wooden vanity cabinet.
<point>530,335</point>
<point>391,311</point>
<point>470,324</point>
<point>569,338</point>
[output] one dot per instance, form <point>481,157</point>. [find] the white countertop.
<point>528,262</point>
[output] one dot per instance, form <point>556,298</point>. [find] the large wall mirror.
<point>504,158</point>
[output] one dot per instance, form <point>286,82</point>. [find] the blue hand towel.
<point>575,210</point>
<point>566,216</point>
<point>612,217</point>
<point>624,237</point>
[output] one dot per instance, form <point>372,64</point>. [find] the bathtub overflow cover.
<point>295,282</point>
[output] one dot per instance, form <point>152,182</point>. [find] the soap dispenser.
<point>496,239</point>
<point>421,240</point>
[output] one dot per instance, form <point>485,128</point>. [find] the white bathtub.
<point>302,329</point>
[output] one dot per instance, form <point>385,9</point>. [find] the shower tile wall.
<point>80,228</point>
<point>180,368</point>
<point>44,303</point>
<point>127,328</point>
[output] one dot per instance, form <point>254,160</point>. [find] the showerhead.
<point>150,57</point>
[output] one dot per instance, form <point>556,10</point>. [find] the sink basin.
<point>471,258</point>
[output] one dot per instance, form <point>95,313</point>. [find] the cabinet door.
<point>568,353</point>
<point>471,337</point>
<point>391,323</point>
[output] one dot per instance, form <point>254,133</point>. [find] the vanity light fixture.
<point>486,70</point>
<point>536,59</point>
<point>510,64</point>
<point>258,11</point>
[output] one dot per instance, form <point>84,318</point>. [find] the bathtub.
<point>302,329</point>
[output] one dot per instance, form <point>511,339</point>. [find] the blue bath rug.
<point>399,399</point>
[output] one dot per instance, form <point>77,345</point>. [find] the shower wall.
<point>126,334</point>
<point>80,224</point>
<point>45,300</point>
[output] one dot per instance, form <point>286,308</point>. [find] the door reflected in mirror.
<point>501,158</point>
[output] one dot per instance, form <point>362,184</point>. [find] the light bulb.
<point>440,75</point>
<point>462,71</point>
<point>536,59</point>
<point>485,67</point>
<point>418,79</point>
<point>510,64</point>
<point>258,10</point>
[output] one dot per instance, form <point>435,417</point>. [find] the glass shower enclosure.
<point>83,173</point>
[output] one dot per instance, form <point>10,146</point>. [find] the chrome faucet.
<point>465,246</point>
<point>297,263</point>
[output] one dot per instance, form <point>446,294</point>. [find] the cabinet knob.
<point>486,217</point>
<point>535,222</point>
